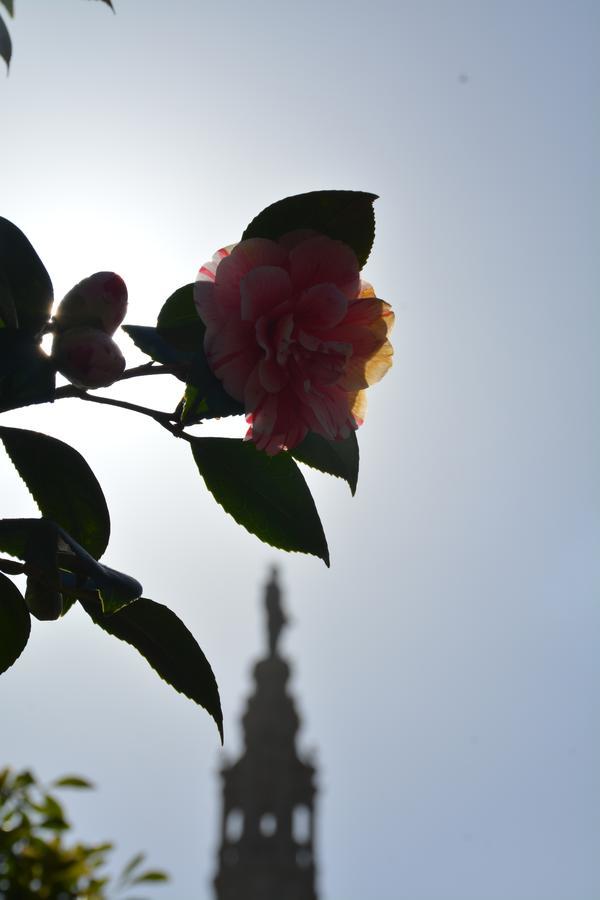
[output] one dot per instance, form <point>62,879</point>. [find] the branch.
<point>70,390</point>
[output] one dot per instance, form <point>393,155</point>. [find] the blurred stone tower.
<point>267,826</point>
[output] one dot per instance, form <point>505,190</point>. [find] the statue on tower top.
<point>276,618</point>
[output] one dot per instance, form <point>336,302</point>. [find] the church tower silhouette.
<point>267,827</point>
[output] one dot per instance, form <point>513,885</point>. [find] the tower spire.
<point>267,828</point>
<point>276,618</point>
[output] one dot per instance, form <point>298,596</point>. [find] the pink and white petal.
<point>321,259</point>
<point>204,301</point>
<point>321,306</point>
<point>247,255</point>
<point>322,415</point>
<point>273,377</point>
<point>263,419</point>
<point>208,271</point>
<point>262,289</point>
<point>234,372</point>
<point>233,336</point>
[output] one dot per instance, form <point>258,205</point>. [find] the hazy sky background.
<point>447,664</point>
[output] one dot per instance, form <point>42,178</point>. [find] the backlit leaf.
<point>169,647</point>
<point>266,494</point>
<point>62,484</point>
<point>27,375</point>
<point>5,43</point>
<point>24,273</point>
<point>344,215</point>
<point>15,623</point>
<point>339,458</point>
<point>179,323</point>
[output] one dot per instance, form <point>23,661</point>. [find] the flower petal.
<point>321,259</point>
<point>262,289</point>
<point>208,271</point>
<point>321,306</point>
<point>244,257</point>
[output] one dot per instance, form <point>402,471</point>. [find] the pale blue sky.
<point>447,664</point>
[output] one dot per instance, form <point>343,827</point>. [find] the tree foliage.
<point>37,859</point>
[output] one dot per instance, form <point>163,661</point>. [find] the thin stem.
<point>71,391</point>
<point>146,369</point>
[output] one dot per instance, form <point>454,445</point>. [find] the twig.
<point>68,391</point>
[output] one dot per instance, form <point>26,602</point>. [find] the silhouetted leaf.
<point>179,323</point>
<point>150,341</point>
<point>266,494</point>
<point>5,43</point>
<point>23,272</point>
<point>169,647</point>
<point>15,623</point>
<point>9,6</point>
<point>344,215</point>
<point>62,484</point>
<point>339,458</point>
<point>27,375</point>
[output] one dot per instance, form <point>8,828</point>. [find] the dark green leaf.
<point>172,651</point>
<point>24,273</point>
<point>72,781</point>
<point>339,458</point>
<point>150,875</point>
<point>9,6</point>
<point>150,341</point>
<point>15,349</point>
<point>17,535</point>
<point>27,375</point>
<point>179,323</point>
<point>5,43</point>
<point>62,484</point>
<point>15,623</point>
<point>8,310</point>
<point>206,398</point>
<point>266,494</point>
<point>344,215</point>
<point>116,589</point>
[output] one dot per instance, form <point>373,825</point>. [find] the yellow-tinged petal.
<point>378,365</point>
<point>358,406</point>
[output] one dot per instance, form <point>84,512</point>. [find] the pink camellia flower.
<point>88,357</point>
<point>99,301</point>
<point>293,334</point>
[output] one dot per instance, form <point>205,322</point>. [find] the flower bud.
<point>45,603</point>
<point>99,301</point>
<point>88,357</point>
